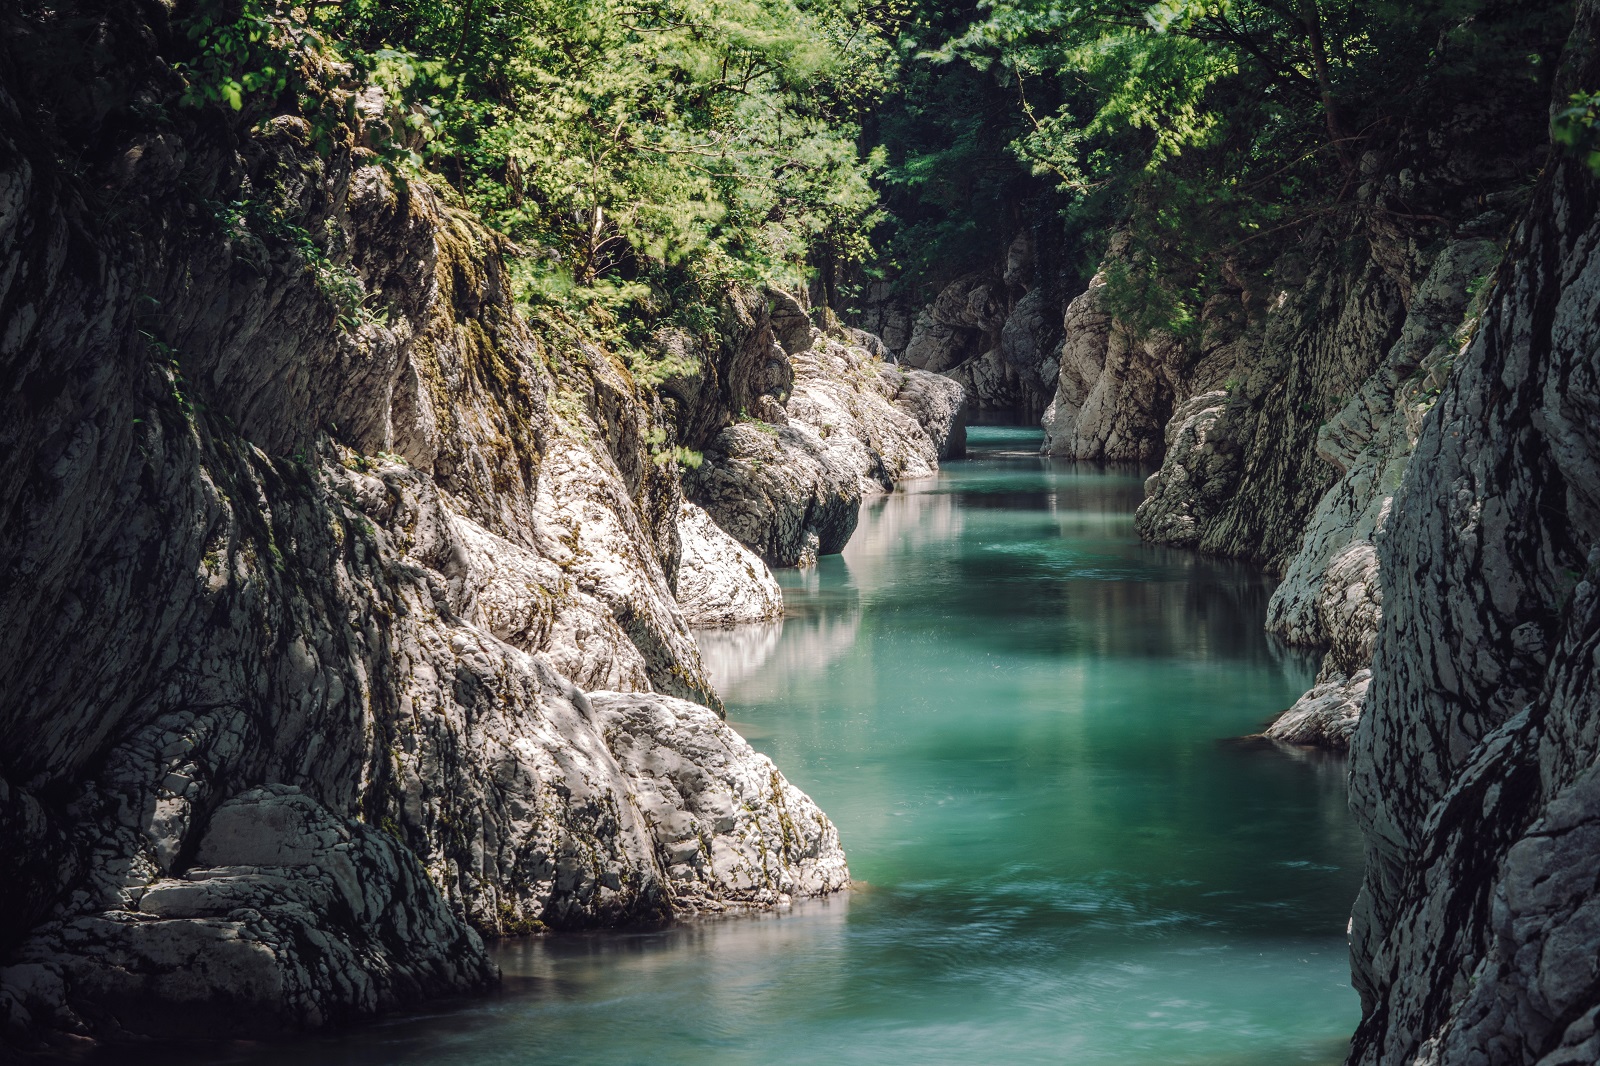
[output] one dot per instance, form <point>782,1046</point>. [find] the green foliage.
<point>641,155</point>
<point>240,55</point>
<point>1143,294</point>
<point>1576,128</point>
<point>257,221</point>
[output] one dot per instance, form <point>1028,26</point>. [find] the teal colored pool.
<point>1017,713</point>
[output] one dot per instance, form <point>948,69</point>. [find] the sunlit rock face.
<point>787,476</point>
<point>1473,769</point>
<point>720,581</point>
<point>300,605</point>
<point>729,831</point>
<point>1115,390</point>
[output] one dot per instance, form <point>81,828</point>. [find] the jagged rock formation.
<point>241,940</point>
<point>720,581</point>
<point>305,563</point>
<point>997,332</point>
<point>1473,769</point>
<point>1331,595</point>
<point>1269,366</point>
<point>730,832</point>
<point>1114,390</point>
<point>833,424</point>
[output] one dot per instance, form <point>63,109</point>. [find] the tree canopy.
<point>641,154</point>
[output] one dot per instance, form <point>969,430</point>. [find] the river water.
<point>1017,714</point>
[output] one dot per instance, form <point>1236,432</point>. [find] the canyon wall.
<point>346,610</point>
<point>1473,768</point>
<point>1283,422</point>
<point>995,331</point>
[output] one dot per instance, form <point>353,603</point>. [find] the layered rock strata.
<point>1332,595</point>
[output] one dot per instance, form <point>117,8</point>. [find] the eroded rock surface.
<point>300,596</point>
<point>720,581</point>
<point>788,483</point>
<point>996,331</point>
<point>1473,771</point>
<point>729,831</point>
<point>1331,594</point>
<point>241,940</point>
<point>1114,393</point>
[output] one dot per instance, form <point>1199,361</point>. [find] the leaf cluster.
<point>1199,128</point>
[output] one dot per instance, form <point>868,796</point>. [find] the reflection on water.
<point>1018,716</point>
<point>733,654</point>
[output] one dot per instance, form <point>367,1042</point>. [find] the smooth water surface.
<point>1017,714</point>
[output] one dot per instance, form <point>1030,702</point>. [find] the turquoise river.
<point>1019,716</point>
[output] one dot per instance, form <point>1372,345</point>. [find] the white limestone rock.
<point>332,578</point>
<point>720,581</point>
<point>729,831</point>
<point>1326,715</point>
<point>938,404</point>
<point>789,486</point>
<point>995,336</point>
<point>1113,389</point>
<point>1195,478</point>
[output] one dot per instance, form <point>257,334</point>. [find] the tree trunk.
<point>1311,17</point>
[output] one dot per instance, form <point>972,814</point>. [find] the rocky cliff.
<point>822,424</point>
<point>996,331</point>
<point>1283,423</point>
<point>312,551</point>
<point>1473,768</point>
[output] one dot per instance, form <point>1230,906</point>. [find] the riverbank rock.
<point>720,581</point>
<point>299,596</point>
<point>1331,594</point>
<point>729,831</point>
<point>1297,402</point>
<point>937,404</point>
<point>1114,392</point>
<point>1197,477</point>
<point>289,918</point>
<point>1473,770</point>
<point>789,483</point>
